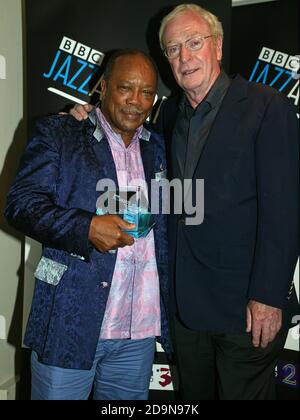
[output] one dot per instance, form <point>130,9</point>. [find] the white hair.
<point>214,23</point>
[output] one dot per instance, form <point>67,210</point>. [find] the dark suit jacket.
<point>53,201</point>
<point>247,247</point>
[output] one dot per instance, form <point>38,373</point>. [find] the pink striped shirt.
<point>133,306</point>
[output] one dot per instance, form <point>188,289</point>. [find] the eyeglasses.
<point>193,44</point>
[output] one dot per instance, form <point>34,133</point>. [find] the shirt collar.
<point>99,133</point>
<point>218,89</point>
<point>213,97</point>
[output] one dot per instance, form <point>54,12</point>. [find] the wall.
<point>12,135</point>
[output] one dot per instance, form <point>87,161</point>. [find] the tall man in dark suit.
<point>233,274</point>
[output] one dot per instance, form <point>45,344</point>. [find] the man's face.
<point>194,71</point>
<point>128,95</point>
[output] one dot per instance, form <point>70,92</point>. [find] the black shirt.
<point>193,127</point>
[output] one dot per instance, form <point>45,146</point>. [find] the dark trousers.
<point>225,367</point>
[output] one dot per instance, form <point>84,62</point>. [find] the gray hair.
<point>214,23</point>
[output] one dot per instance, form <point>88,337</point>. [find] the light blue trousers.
<point>121,371</point>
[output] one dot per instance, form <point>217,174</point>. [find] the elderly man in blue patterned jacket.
<point>95,312</point>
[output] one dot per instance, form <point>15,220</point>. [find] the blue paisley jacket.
<point>53,200</point>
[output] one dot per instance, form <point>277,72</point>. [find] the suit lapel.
<point>106,162</point>
<point>225,124</point>
<point>104,158</point>
<point>147,152</point>
<point>169,116</point>
<point>101,152</point>
<point>194,153</point>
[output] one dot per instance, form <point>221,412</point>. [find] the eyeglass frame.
<point>203,38</point>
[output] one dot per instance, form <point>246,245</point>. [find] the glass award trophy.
<point>131,205</point>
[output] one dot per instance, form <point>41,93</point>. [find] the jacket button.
<point>104,285</point>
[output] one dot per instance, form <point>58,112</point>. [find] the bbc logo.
<point>280,59</point>
<point>2,67</point>
<point>84,52</point>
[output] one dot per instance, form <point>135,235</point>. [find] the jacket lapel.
<point>166,126</point>
<point>224,127</point>
<point>101,151</point>
<point>104,157</point>
<point>147,153</point>
<point>194,154</point>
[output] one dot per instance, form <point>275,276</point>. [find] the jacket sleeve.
<point>277,178</point>
<point>32,206</point>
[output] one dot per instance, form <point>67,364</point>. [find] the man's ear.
<point>219,46</point>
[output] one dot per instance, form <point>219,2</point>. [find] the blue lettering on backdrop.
<point>262,75</point>
<point>62,71</point>
<point>47,76</point>
<point>84,64</point>
<point>60,74</point>
<point>86,82</point>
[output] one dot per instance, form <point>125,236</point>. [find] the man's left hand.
<point>264,322</point>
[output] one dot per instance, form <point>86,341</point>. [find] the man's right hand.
<point>106,233</point>
<point>81,112</point>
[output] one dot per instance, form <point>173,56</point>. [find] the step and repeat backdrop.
<point>67,43</point>
<point>67,46</point>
